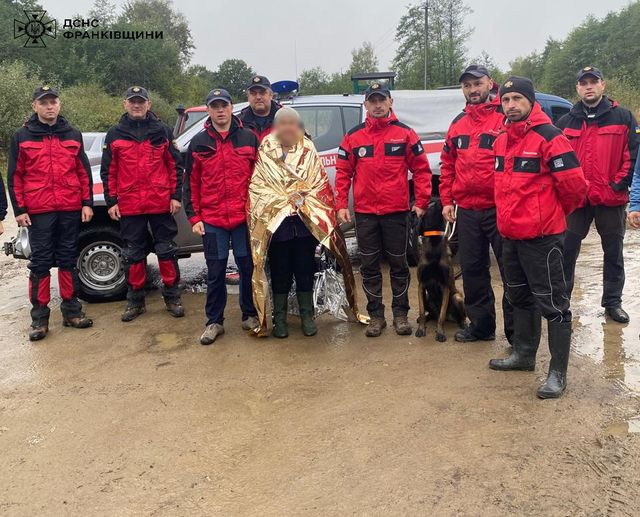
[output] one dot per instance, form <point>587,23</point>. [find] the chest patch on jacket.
<point>395,149</point>
<point>461,141</point>
<point>364,151</point>
<point>526,164</point>
<point>486,141</point>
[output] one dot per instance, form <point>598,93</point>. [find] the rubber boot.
<point>307,312</point>
<point>559,346</point>
<point>526,340</point>
<point>280,306</point>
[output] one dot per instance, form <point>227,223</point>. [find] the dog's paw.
<point>441,337</point>
<point>421,332</point>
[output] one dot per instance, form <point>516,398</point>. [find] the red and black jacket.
<point>606,142</point>
<point>218,171</point>
<point>260,128</point>
<point>467,159</point>
<point>48,169</point>
<point>377,156</point>
<point>141,168</point>
<point>538,180</point>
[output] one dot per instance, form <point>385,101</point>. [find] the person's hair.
<point>288,112</point>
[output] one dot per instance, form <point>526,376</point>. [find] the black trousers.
<point>477,232</point>
<point>53,237</point>
<point>134,230</point>
<point>384,234</point>
<point>611,224</point>
<point>534,271</point>
<point>292,258</point>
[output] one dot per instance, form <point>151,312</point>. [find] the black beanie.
<point>522,85</point>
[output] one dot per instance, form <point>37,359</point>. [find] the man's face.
<point>378,106</point>
<point>220,112</point>
<point>137,107</point>
<point>516,106</point>
<point>47,108</point>
<point>476,89</point>
<point>260,100</point>
<point>590,89</point>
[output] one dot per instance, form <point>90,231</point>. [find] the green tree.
<point>363,59</point>
<point>233,75</point>
<point>313,81</point>
<point>445,48</point>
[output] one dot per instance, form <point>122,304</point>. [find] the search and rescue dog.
<point>438,295</point>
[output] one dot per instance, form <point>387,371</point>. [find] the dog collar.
<point>433,233</point>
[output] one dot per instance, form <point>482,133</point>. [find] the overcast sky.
<point>279,37</point>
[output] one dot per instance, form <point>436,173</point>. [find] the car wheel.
<point>100,267</point>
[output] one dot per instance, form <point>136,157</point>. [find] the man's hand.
<point>198,228</point>
<point>114,212</point>
<point>418,211</point>
<point>87,214</point>
<point>174,206</point>
<point>634,219</point>
<point>23,220</point>
<point>344,216</point>
<point>449,213</point>
<point>1,228</point>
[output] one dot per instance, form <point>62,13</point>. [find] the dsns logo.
<point>34,28</point>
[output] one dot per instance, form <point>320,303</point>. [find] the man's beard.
<point>479,100</point>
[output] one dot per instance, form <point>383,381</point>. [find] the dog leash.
<point>450,228</point>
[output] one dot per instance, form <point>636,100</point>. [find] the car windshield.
<point>89,139</point>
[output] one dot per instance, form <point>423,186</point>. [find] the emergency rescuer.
<point>538,182</point>
<point>258,115</point>
<point>50,188</point>
<point>605,138</point>
<point>376,156</point>
<point>219,164</point>
<point>142,179</point>
<point>466,180</point>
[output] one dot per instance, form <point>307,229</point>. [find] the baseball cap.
<point>136,91</point>
<point>218,94</point>
<point>589,70</point>
<point>476,71</point>
<point>259,81</point>
<point>43,91</point>
<point>377,88</point>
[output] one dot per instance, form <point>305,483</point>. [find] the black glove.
<point>620,186</point>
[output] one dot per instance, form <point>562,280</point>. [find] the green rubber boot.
<point>307,312</point>
<point>280,305</point>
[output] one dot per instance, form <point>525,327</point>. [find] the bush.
<point>17,82</point>
<point>89,108</point>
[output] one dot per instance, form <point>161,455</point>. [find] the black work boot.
<point>526,339</point>
<point>469,334</point>
<point>376,325</point>
<point>175,307</point>
<point>559,346</point>
<point>38,331</point>
<point>280,306</point>
<point>132,311</point>
<point>307,312</point>
<point>617,314</point>
<point>77,322</point>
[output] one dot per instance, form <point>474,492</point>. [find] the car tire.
<point>100,267</point>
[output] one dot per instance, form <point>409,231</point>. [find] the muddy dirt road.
<point>141,420</point>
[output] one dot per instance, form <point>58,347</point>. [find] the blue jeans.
<point>216,243</point>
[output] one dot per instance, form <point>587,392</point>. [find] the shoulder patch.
<point>356,128</point>
<point>547,131</point>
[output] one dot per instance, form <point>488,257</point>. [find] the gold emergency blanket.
<point>280,188</point>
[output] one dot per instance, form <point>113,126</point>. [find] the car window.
<point>193,117</point>
<point>324,124</point>
<point>352,117</point>
<point>88,141</point>
<point>558,111</point>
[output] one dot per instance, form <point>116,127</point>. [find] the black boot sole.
<point>512,369</point>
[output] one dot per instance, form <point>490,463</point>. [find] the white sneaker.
<point>250,323</point>
<point>211,333</point>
